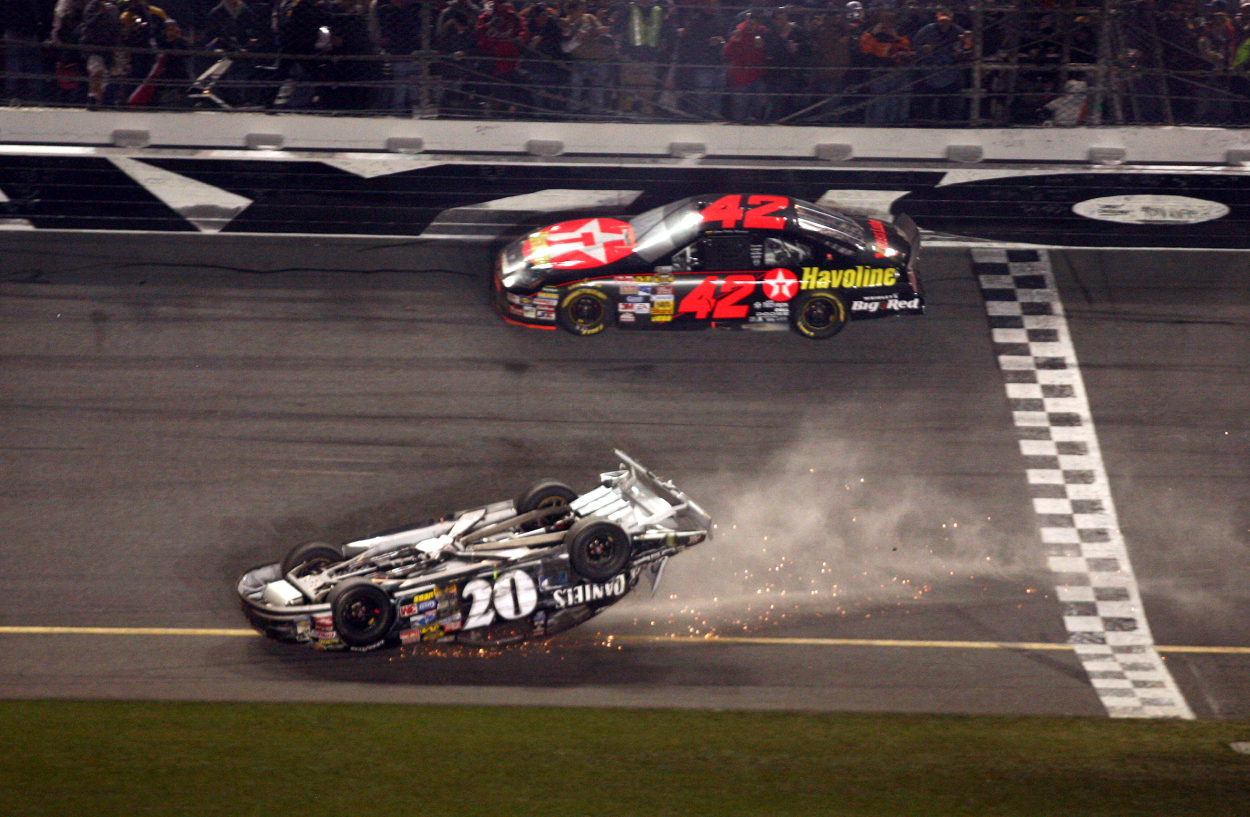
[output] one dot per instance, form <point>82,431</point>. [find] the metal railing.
<point>1026,66</point>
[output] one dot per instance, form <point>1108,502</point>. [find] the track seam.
<point>1097,590</point>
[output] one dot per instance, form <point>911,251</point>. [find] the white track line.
<point>1096,588</point>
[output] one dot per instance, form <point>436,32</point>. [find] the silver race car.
<point>500,573</point>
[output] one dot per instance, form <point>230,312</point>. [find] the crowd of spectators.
<point>819,61</point>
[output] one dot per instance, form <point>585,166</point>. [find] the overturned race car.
<point>737,260</point>
<point>496,574</point>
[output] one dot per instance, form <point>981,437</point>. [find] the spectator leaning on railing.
<point>546,63</point>
<point>454,39</point>
<point>941,48</point>
<point>501,34</point>
<point>890,53</point>
<point>146,70</point>
<point>100,31</point>
<point>701,30</point>
<point>647,34</point>
<point>746,56</point>
<point>297,26</point>
<point>399,35</point>
<point>590,46</point>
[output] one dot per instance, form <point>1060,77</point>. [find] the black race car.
<point>752,261</point>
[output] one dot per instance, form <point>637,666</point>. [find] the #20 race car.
<point>495,574</point>
<point>752,261</point>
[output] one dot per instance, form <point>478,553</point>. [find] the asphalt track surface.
<point>176,410</point>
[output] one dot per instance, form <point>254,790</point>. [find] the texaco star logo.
<point>780,285</point>
<point>594,242</point>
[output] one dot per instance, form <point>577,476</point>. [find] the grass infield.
<point>89,759</point>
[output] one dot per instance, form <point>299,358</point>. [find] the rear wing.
<point>667,491</point>
<point>909,230</point>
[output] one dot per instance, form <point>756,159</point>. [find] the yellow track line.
<point>653,639</point>
<point>123,631</point>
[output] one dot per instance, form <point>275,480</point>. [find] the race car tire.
<point>363,613</point>
<point>310,557</point>
<point>818,315</point>
<point>546,493</point>
<point>598,549</point>
<point>585,311</point>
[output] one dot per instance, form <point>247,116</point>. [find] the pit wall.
<point>212,130</point>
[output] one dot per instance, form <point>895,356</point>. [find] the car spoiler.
<point>909,229</point>
<point>666,490</point>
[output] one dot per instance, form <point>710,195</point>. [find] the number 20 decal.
<point>512,596</point>
<point>728,211</point>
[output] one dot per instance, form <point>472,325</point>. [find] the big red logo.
<point>580,244</point>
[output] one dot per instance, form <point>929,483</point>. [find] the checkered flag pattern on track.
<point>1095,585</point>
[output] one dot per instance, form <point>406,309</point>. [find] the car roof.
<point>674,225</point>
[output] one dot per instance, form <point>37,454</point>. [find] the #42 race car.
<point>738,260</point>
<point>495,574</point>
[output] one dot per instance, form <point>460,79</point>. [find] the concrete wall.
<point>1183,145</point>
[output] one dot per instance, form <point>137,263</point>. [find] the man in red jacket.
<point>746,56</point>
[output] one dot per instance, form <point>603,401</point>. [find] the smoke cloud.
<point>820,529</point>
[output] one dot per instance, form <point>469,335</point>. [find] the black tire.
<point>546,493</point>
<point>818,315</point>
<point>363,613</point>
<point>310,557</point>
<point>585,311</point>
<point>598,549</point>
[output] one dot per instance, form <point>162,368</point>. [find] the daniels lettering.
<point>854,278</point>
<point>584,593</point>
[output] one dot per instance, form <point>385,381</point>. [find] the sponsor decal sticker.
<point>1151,209</point>
<point>880,239</point>
<point>780,285</point>
<point>580,244</point>
<point>853,278</point>
<point>889,305</point>
<point>586,593</point>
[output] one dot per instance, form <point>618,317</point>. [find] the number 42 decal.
<point>728,211</point>
<point>702,299</point>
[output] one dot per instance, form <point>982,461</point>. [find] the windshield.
<point>666,228</point>
<point>831,225</point>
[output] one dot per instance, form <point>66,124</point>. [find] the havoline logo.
<point>585,593</point>
<point>854,278</point>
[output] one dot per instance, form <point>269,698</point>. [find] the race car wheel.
<point>310,557</point>
<point>818,315</point>
<point>546,493</point>
<point>363,612</point>
<point>585,311</point>
<point>598,549</point>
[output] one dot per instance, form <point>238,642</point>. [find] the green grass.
<point>89,759</point>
